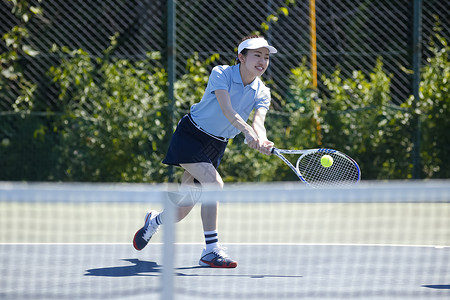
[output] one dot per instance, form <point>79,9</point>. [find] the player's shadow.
<point>438,286</point>
<point>137,268</point>
<point>142,268</point>
<point>253,276</point>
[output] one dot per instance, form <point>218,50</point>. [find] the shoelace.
<point>149,232</point>
<point>220,251</point>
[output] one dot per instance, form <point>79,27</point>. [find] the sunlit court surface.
<point>372,241</point>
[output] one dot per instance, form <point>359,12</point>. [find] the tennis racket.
<point>343,171</point>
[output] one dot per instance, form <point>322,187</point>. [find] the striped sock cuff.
<point>211,237</point>
<point>158,220</point>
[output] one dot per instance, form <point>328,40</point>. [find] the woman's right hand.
<point>263,146</point>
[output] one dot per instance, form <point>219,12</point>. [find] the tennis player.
<point>201,137</point>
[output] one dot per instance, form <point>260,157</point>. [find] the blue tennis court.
<point>381,241</point>
<point>265,271</point>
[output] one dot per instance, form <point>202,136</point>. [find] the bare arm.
<point>260,129</point>
<point>258,123</point>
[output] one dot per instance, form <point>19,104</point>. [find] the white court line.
<point>322,244</point>
<point>249,244</point>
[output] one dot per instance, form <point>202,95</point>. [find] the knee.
<point>220,183</point>
<point>217,184</point>
<point>213,183</point>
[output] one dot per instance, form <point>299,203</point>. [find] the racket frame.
<point>280,152</point>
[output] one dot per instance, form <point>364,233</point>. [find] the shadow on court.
<point>438,286</point>
<point>140,268</point>
<point>136,269</point>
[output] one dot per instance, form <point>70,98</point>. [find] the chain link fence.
<point>68,67</point>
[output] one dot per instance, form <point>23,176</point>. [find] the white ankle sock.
<point>158,220</point>
<point>211,239</point>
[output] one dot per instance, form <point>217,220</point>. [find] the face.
<point>255,61</point>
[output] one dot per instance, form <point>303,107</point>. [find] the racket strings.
<point>342,172</point>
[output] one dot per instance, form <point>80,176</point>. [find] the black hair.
<point>244,51</point>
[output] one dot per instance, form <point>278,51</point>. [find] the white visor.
<point>256,43</point>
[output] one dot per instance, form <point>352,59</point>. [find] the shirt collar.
<point>237,78</point>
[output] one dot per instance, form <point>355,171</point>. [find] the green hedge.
<point>111,123</point>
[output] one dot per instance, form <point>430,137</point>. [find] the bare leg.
<point>183,211</point>
<point>209,216</point>
<point>206,173</point>
<point>213,254</point>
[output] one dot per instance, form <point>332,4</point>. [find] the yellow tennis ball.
<point>326,161</point>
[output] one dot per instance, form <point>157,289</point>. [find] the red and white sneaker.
<point>143,235</point>
<point>216,259</point>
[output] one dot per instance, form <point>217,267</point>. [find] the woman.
<point>201,137</point>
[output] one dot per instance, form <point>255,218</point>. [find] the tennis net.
<point>376,240</point>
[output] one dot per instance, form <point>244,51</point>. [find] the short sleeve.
<point>219,79</point>
<point>263,99</point>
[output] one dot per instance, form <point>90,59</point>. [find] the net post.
<point>416,63</point>
<point>167,279</point>
<point>171,69</point>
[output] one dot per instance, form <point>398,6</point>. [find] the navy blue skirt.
<point>191,144</point>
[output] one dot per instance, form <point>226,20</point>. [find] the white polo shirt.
<point>208,114</point>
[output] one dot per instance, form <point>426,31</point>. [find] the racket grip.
<point>271,150</point>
